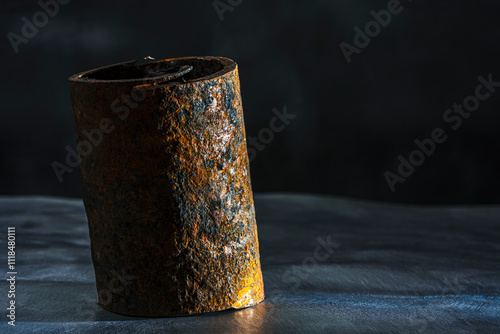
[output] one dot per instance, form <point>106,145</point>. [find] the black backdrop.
<point>353,120</point>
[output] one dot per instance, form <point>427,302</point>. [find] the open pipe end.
<point>148,70</point>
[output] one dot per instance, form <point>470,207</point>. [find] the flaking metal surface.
<point>167,192</point>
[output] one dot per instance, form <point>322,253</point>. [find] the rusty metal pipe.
<point>166,186</point>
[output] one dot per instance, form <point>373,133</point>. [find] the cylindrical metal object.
<point>166,185</point>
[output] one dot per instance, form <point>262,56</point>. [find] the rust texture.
<point>167,186</point>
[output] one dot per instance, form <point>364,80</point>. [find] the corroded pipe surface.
<point>166,183</point>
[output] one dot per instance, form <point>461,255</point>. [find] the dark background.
<point>353,120</point>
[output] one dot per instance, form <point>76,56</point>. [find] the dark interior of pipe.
<point>182,70</point>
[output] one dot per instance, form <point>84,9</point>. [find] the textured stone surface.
<point>167,191</point>
<point>395,269</point>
